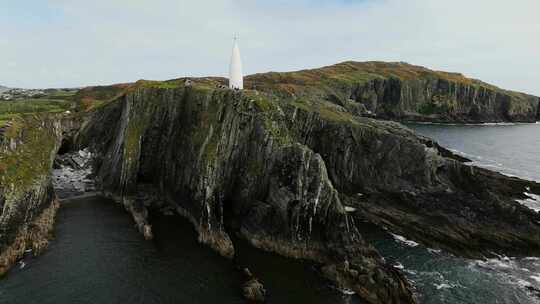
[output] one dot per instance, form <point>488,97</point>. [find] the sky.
<point>71,43</point>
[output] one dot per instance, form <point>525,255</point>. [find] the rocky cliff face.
<point>403,92</point>
<point>396,179</point>
<point>292,171</point>
<point>27,200</point>
<point>227,162</point>
<point>291,167</point>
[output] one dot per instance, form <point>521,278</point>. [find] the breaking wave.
<point>403,240</point>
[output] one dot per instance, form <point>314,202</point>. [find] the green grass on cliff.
<point>335,77</point>
<point>29,158</point>
<point>11,109</point>
<point>93,97</point>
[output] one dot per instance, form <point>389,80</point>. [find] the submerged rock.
<point>253,289</point>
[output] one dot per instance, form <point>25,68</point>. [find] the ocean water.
<point>438,277</point>
<point>97,255</point>
<point>512,149</point>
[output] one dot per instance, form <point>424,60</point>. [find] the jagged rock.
<point>283,167</point>
<point>533,290</point>
<point>222,156</point>
<point>147,232</point>
<point>72,173</point>
<point>253,289</point>
<point>288,172</point>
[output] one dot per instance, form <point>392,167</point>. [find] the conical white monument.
<point>236,79</point>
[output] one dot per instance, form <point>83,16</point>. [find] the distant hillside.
<point>402,91</point>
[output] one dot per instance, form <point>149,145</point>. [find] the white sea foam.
<point>496,264</point>
<point>404,241</point>
<point>398,265</point>
<point>532,258</point>
<point>533,202</point>
<point>535,277</point>
<point>434,275</point>
<point>349,209</point>
<point>523,283</point>
<point>431,250</point>
<point>444,286</point>
<point>409,272</point>
<point>487,124</point>
<point>346,291</point>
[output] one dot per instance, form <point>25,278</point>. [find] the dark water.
<point>442,278</point>
<point>99,257</point>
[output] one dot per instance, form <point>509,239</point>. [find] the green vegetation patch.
<point>11,109</point>
<point>325,110</point>
<point>90,98</point>
<point>332,80</point>
<point>34,140</point>
<point>439,104</point>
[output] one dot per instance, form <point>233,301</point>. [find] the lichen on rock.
<point>28,202</point>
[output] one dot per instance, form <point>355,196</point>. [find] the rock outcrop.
<point>293,173</point>
<point>252,288</point>
<point>291,167</point>
<point>28,203</point>
<point>400,91</point>
<point>221,157</point>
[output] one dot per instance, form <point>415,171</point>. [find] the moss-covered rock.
<point>28,204</point>
<point>291,166</point>
<point>284,172</point>
<point>283,168</point>
<point>228,159</point>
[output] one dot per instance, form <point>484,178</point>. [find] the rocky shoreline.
<point>73,174</point>
<point>289,168</point>
<point>302,171</point>
<point>32,238</point>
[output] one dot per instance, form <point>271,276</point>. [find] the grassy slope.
<point>350,72</point>
<point>10,109</point>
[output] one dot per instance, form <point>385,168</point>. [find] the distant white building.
<point>236,78</point>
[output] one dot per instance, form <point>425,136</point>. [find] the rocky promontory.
<point>291,164</point>
<point>404,92</point>
<point>292,175</point>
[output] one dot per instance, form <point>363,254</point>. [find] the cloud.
<point>93,42</point>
